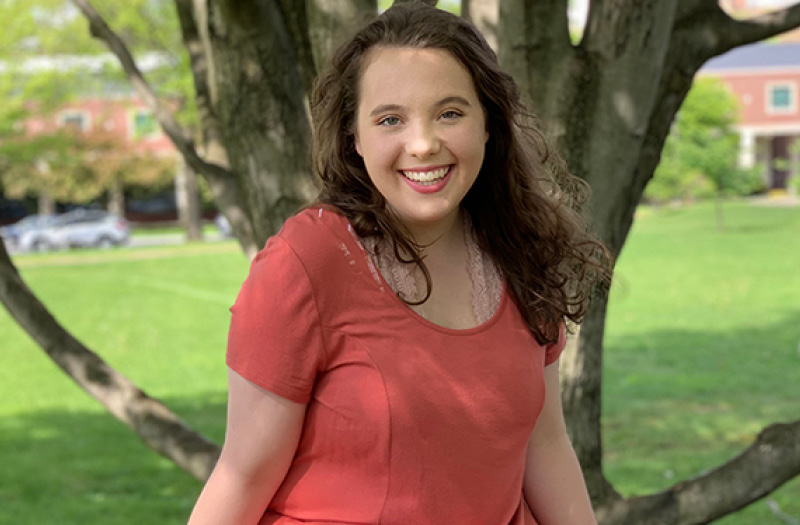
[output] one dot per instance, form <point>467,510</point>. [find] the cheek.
<point>378,151</point>
<point>470,143</point>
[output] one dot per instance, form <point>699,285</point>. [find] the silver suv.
<point>85,228</point>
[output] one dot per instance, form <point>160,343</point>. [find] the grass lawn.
<point>158,315</point>
<point>702,351</point>
<point>702,346</point>
<point>139,231</point>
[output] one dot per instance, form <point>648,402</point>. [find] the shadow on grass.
<point>86,467</point>
<point>677,402</point>
<point>761,358</point>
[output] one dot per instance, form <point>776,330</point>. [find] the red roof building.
<point>129,119</point>
<point>765,78</point>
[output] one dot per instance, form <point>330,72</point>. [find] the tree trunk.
<point>46,205</point>
<point>188,200</point>
<point>581,388</point>
<point>607,105</point>
<point>332,21</point>
<point>116,196</point>
<point>260,76</point>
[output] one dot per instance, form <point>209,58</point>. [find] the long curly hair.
<point>524,206</point>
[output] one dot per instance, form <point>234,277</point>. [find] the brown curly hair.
<point>524,205</point>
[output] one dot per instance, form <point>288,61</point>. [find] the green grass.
<point>701,352</point>
<point>157,315</point>
<point>702,345</point>
<point>139,231</point>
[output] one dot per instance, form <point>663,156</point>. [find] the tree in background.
<point>700,154</point>
<point>606,102</point>
<point>48,60</point>
<point>69,166</point>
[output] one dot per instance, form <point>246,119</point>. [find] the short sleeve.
<point>553,351</point>
<point>275,339</point>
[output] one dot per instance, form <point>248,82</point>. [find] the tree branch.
<point>429,2</point>
<point>732,33</point>
<point>687,9</point>
<point>725,32</point>
<point>99,29</point>
<point>150,419</point>
<point>772,460</point>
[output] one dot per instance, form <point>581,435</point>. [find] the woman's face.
<point>421,131</point>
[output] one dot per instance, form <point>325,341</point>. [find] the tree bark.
<point>581,386</point>
<point>188,201</point>
<point>332,21</point>
<point>764,466</point>
<point>226,190</point>
<point>153,422</point>
<point>116,196</point>
<point>262,77</point>
<point>46,205</point>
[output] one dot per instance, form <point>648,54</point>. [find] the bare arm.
<point>261,438</point>
<point>554,487</point>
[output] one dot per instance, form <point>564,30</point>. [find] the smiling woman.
<point>393,354</point>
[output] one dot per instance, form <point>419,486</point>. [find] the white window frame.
<point>86,118</point>
<point>132,115</point>
<point>785,84</point>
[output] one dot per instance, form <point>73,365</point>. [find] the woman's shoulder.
<point>317,235</point>
<point>314,228</point>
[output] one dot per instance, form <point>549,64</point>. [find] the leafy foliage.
<point>48,59</point>
<point>699,159</point>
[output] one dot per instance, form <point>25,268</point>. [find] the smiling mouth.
<point>428,177</point>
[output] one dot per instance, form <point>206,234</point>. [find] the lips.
<point>427,176</point>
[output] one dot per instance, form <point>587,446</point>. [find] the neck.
<point>443,236</point>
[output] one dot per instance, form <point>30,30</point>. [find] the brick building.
<point>765,78</point>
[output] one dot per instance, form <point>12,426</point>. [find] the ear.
<point>357,144</point>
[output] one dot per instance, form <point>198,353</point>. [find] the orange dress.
<point>407,422</point>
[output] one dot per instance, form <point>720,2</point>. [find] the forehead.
<point>412,75</point>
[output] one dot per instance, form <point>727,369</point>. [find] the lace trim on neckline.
<point>407,280</point>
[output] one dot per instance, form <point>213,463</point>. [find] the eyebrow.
<point>443,102</point>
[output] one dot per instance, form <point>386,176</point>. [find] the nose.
<point>422,141</point>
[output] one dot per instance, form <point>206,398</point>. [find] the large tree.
<point>607,103</point>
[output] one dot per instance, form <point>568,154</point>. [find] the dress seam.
<point>320,325</point>
<point>388,414</point>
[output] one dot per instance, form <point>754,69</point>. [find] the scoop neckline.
<point>417,317</point>
<point>439,328</point>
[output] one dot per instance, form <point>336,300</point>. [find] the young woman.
<point>394,351</point>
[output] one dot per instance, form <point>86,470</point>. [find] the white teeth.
<point>426,176</point>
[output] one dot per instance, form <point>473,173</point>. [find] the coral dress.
<point>407,422</point>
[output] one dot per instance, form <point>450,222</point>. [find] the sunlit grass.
<point>702,345</point>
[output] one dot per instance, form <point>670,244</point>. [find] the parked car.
<point>223,226</point>
<point>26,231</point>
<point>84,228</point>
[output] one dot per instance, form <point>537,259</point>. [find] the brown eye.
<point>451,114</point>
